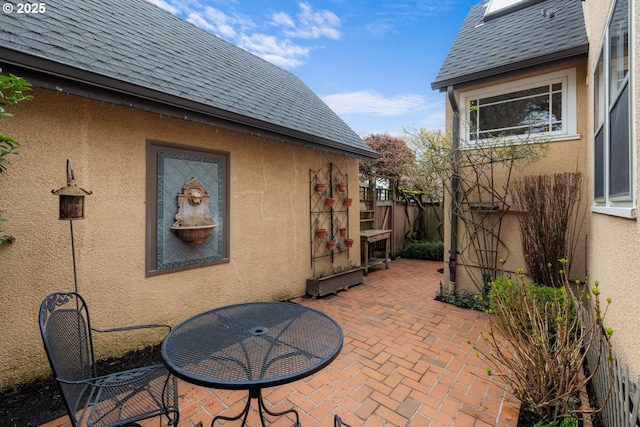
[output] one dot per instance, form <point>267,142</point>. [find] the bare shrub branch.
<point>550,224</point>
<point>538,342</point>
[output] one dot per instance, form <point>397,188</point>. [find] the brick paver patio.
<point>404,362</point>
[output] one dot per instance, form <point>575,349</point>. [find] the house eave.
<point>528,64</point>
<point>72,80</point>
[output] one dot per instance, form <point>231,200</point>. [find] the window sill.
<point>615,211</point>
<point>539,139</point>
<point>565,137</point>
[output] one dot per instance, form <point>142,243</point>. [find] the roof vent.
<point>548,13</point>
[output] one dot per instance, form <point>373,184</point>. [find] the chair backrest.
<point>66,334</point>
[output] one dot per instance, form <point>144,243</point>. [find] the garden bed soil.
<point>527,418</point>
<point>39,401</point>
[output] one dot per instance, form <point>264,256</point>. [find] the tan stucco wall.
<point>614,241</point>
<point>612,248</point>
<point>269,222</point>
<point>559,156</point>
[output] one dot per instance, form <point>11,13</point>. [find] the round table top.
<point>252,346</point>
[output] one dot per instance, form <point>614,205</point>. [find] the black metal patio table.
<point>250,347</point>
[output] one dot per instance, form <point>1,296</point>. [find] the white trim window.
<point>535,108</point>
<point>614,147</point>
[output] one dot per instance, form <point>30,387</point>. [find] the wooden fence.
<point>404,218</point>
<point>621,409</point>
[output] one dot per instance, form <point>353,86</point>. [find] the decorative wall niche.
<point>193,220</point>
<point>175,173</point>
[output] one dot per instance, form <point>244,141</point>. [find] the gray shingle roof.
<point>515,41</point>
<point>142,49</point>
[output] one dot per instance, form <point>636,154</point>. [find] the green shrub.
<point>12,90</point>
<point>462,298</point>
<point>538,344</point>
<point>424,250</point>
<point>526,303</point>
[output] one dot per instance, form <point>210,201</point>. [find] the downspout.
<point>453,220</point>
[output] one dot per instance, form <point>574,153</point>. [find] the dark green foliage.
<point>462,299</point>
<point>526,301</point>
<point>424,250</point>
<point>12,90</point>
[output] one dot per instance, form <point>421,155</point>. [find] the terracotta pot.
<point>347,202</point>
<point>331,245</point>
<point>320,187</point>
<point>321,233</point>
<point>343,231</point>
<point>342,187</point>
<point>348,242</point>
<point>329,201</point>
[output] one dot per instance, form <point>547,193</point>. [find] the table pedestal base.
<point>256,394</point>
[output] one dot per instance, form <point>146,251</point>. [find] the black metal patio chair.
<point>118,399</point>
<point>337,422</point>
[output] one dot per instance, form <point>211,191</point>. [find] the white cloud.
<point>199,21</point>
<point>282,53</point>
<point>368,112</point>
<point>434,121</point>
<point>242,30</point>
<point>227,26</point>
<point>283,20</point>
<point>164,5</point>
<point>223,23</point>
<point>398,14</point>
<point>310,25</point>
<point>379,28</point>
<point>371,102</point>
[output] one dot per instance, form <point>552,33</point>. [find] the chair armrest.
<point>131,328</point>
<point>117,379</point>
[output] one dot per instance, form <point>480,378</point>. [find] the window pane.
<point>473,119</point>
<point>618,47</point>
<point>536,116</point>
<point>519,116</point>
<point>598,166</point>
<point>619,147</point>
<point>501,116</point>
<point>556,109</point>
<point>534,106</point>
<point>599,96</point>
<point>515,95</point>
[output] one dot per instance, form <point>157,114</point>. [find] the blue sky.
<point>371,61</point>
